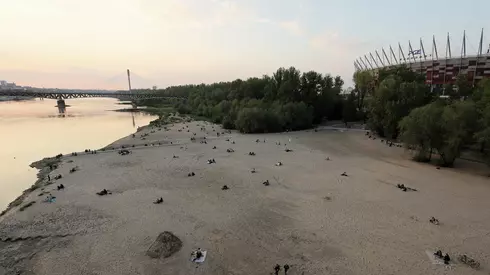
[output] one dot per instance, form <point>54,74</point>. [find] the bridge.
<point>57,94</point>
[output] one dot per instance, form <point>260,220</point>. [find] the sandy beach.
<point>309,217</point>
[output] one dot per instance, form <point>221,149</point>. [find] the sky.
<point>89,44</point>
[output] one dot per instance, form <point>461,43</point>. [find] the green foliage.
<point>288,99</point>
<point>393,99</point>
<point>440,126</point>
<point>421,130</point>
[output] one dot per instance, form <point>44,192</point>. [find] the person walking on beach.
<point>49,178</point>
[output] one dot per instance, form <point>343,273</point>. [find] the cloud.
<point>292,27</point>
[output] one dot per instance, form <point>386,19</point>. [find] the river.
<point>31,130</point>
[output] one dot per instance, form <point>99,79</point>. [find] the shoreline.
<point>43,164</point>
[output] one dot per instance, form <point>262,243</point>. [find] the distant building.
<point>6,85</point>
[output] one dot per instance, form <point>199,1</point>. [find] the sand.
<point>309,217</point>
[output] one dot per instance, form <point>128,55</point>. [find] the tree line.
<point>395,103</point>
<point>286,100</point>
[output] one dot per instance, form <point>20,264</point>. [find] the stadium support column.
<point>423,54</point>
<point>380,60</point>
<point>410,52</point>
<point>393,54</point>
<point>400,51</point>
<point>375,63</point>
<point>480,51</point>
<point>434,51</point>
<point>463,52</point>
<point>448,52</point>
<point>369,62</point>
<point>386,57</point>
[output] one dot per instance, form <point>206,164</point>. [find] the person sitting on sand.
<point>446,259</point>
<point>438,254</point>
<point>225,187</point>
<point>158,201</point>
<point>60,187</point>
<point>266,183</point>
<point>277,268</point>
<point>434,221</point>
<point>344,174</point>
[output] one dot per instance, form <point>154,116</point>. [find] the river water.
<point>31,130</point>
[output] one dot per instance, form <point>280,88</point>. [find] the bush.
<point>255,120</point>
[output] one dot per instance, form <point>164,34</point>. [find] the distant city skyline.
<point>90,44</point>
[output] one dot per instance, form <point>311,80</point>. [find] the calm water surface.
<point>32,130</point>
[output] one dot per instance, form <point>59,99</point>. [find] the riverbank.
<point>308,216</point>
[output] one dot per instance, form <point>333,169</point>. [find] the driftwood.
<point>165,245</point>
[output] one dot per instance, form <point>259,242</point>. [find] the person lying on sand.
<point>279,163</point>
<point>251,153</point>
<point>253,171</point>
<point>158,201</point>
<point>405,188</point>
<point>50,198</point>
<point>344,174</point>
<point>59,176</point>
<point>104,192</point>
<point>191,174</point>
<point>288,150</point>
<point>469,261</point>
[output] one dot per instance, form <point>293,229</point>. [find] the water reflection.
<point>31,130</point>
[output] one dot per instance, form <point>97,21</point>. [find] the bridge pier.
<point>61,106</point>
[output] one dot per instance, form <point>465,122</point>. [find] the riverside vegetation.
<point>395,103</point>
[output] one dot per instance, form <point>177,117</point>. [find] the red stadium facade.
<point>438,70</point>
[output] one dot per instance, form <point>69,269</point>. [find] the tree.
<point>364,85</point>
<point>459,123</point>
<point>393,99</point>
<point>349,110</point>
<point>422,130</point>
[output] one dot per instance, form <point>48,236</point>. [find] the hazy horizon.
<point>90,44</point>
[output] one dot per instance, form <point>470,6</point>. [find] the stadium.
<point>439,70</point>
